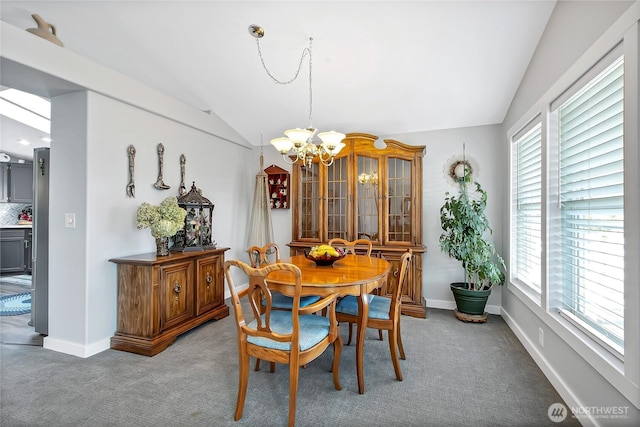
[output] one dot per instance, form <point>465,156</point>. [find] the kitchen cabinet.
<point>12,250</point>
<point>371,193</point>
<point>17,182</point>
<point>4,182</point>
<point>28,250</point>
<point>162,297</point>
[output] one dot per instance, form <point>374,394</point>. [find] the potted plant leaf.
<point>465,224</point>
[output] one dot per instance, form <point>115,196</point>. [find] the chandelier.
<point>298,144</point>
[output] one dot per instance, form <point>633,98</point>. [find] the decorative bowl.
<point>324,260</point>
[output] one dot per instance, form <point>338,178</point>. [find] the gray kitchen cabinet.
<point>12,250</point>
<point>4,182</point>
<point>21,183</point>
<point>17,182</point>
<point>28,251</point>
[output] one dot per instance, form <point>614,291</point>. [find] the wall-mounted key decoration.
<point>160,185</point>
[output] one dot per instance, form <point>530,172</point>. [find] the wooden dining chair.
<point>259,257</point>
<point>294,337</point>
<point>351,246</point>
<point>384,313</point>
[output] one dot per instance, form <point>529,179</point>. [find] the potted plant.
<point>464,224</point>
<point>164,220</point>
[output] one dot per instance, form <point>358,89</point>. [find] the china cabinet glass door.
<point>309,195</point>
<point>399,191</point>
<point>337,199</point>
<point>367,221</point>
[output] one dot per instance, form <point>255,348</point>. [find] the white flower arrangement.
<point>164,220</point>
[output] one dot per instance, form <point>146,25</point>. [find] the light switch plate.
<point>70,220</point>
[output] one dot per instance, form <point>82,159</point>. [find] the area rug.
<point>14,305</point>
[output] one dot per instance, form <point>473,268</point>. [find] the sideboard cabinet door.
<point>210,272</point>
<point>177,293</point>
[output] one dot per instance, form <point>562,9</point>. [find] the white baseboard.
<point>74,349</point>
<point>450,305</point>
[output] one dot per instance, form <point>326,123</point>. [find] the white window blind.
<point>526,265</point>
<point>591,198</point>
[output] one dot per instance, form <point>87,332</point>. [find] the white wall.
<point>577,35</point>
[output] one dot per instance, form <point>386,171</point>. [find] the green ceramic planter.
<point>470,302</point>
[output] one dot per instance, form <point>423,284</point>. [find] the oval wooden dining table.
<point>355,275</point>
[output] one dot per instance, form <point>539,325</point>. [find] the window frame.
<point>532,292</point>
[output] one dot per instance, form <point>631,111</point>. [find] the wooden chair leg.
<point>243,380</point>
<point>272,366</point>
<point>394,353</point>
<point>400,347</point>
<point>293,390</point>
<point>380,334</point>
<point>350,333</point>
<point>337,352</point>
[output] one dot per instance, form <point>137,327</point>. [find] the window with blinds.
<point>526,265</point>
<point>591,202</point>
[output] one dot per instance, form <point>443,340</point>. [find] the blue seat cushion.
<point>283,302</point>
<point>378,306</point>
<point>313,329</point>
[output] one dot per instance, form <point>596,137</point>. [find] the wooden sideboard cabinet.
<point>159,298</point>
<point>367,193</point>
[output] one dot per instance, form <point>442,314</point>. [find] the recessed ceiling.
<point>381,67</point>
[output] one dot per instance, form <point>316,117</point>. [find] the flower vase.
<point>162,246</point>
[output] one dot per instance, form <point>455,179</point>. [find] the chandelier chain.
<point>306,51</point>
<point>298,145</point>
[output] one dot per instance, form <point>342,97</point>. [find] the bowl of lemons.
<point>324,254</point>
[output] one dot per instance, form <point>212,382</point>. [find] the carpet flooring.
<point>455,374</point>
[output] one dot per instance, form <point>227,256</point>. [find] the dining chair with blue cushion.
<point>294,337</point>
<point>384,313</point>
<point>259,257</point>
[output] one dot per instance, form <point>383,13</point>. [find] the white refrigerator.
<point>40,254</point>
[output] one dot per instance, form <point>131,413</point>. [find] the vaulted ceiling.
<point>381,67</point>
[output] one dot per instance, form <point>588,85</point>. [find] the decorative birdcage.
<point>196,233</point>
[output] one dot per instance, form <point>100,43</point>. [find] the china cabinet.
<point>159,298</point>
<point>371,193</point>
